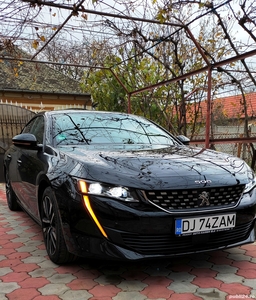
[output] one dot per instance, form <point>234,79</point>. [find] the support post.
<point>208,109</point>
<point>129,103</point>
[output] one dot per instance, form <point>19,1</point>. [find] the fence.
<point>231,140</point>
<point>12,120</point>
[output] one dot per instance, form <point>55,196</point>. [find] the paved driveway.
<point>27,273</point>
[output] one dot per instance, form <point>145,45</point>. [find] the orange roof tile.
<point>232,106</point>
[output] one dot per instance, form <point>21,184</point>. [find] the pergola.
<point>111,13</point>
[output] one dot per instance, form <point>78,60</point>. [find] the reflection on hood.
<point>166,167</point>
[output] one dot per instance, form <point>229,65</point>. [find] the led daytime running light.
<point>83,188</point>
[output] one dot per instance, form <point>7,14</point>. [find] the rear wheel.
<point>52,230</point>
<point>10,195</point>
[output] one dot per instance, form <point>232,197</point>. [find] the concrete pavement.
<point>26,272</point>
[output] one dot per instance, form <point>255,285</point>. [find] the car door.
<point>31,163</point>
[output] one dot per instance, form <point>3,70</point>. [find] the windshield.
<point>91,128</point>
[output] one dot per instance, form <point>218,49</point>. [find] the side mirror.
<point>26,140</point>
<point>182,138</point>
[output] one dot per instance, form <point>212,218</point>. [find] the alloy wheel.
<point>49,225</point>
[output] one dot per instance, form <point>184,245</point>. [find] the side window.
<point>36,127</point>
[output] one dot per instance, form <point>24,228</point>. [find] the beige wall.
<point>39,101</point>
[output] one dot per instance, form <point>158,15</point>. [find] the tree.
<point>154,58</point>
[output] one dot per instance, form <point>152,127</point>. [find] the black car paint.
<point>126,167</point>
<point>60,167</point>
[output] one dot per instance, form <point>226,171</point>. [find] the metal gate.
<point>12,120</point>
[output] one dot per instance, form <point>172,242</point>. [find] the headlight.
<point>102,189</point>
<point>250,185</point>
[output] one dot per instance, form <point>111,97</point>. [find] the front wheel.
<point>52,230</point>
<point>10,195</point>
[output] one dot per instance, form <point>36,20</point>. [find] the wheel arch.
<point>4,170</point>
<point>43,184</point>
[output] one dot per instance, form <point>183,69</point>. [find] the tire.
<point>10,195</point>
<point>52,229</point>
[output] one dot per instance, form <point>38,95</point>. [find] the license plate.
<point>204,224</point>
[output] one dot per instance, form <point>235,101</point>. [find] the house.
<point>230,110</point>
<point>37,86</point>
<point>29,87</point>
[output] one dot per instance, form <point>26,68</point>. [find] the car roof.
<point>69,111</point>
<point>61,111</point>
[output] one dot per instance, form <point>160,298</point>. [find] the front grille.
<point>213,197</point>
<point>172,245</point>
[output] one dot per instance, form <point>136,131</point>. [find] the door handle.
<point>9,157</point>
<point>19,162</point>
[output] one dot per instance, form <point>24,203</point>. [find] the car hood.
<point>159,168</point>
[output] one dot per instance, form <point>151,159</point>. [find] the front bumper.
<point>102,248</point>
<point>145,232</point>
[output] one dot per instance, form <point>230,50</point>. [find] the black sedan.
<point>118,186</point>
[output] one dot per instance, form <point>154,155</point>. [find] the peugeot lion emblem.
<point>204,196</point>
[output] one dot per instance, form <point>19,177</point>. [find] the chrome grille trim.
<point>187,200</point>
